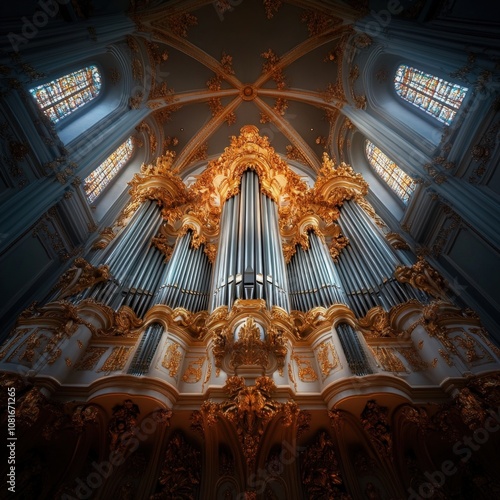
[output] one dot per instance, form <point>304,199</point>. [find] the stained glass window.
<point>402,184</point>
<point>435,96</point>
<point>102,175</point>
<point>59,98</point>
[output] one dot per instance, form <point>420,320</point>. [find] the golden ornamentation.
<point>367,207</point>
<point>208,375</point>
<point>226,61</point>
<point>375,421</point>
<point>180,24</point>
<point>272,7</point>
<point>250,409</point>
<point>305,370</point>
<point>327,358</point>
<point>291,376</point>
<point>397,241</point>
<point>318,22</point>
<point>377,324</point>
<point>230,120</point>
<point>320,470</point>
<point>388,359</point>
<point>122,426</point>
<point>294,153</point>
<point>83,415</point>
<point>280,106</point>
<point>125,323</point>
<point>81,276</point>
<point>90,358</point>
<point>215,105</point>
<point>413,357</point>
<point>172,359</point>
<point>116,360</point>
<point>200,153</point>
<point>211,252</point>
<point>137,71</point>
<point>264,118</point>
<point>424,277</point>
<point>221,180</point>
<point>180,474</point>
<point>334,92</point>
<point>162,245</point>
<point>134,101</point>
<point>194,371</point>
<point>446,356</point>
<point>359,100</point>
<point>249,349</point>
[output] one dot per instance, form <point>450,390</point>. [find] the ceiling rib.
<point>290,133</point>
<point>203,135</point>
<point>301,50</point>
<point>160,34</point>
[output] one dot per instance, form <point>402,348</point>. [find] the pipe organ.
<point>265,320</point>
<point>187,281</point>
<point>250,263</point>
<point>135,265</point>
<point>366,266</point>
<point>313,278</point>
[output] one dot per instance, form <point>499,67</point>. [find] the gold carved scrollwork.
<point>388,359</point>
<point>375,421</point>
<point>116,360</point>
<point>249,408</point>
<point>193,372</point>
<point>172,359</point>
<point>204,199</point>
<point>81,276</point>
<point>305,369</point>
<point>249,349</point>
<point>327,358</point>
<point>424,277</point>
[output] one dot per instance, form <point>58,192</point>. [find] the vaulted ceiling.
<point>217,66</point>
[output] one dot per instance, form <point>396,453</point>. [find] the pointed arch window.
<point>433,95</point>
<point>401,183</point>
<point>59,98</point>
<point>95,183</point>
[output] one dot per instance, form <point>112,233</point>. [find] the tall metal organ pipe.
<point>366,266</point>
<point>313,278</point>
<point>249,262</point>
<point>146,350</point>
<point>353,349</point>
<point>136,266</point>
<point>187,282</point>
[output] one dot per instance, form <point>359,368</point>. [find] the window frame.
<point>409,191</point>
<point>424,112</point>
<point>78,112</point>
<point>119,169</point>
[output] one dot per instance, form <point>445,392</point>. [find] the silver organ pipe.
<point>187,282</point>
<point>249,263</point>
<point>313,278</point>
<point>353,349</point>
<point>135,266</point>
<point>146,350</point>
<point>367,264</point>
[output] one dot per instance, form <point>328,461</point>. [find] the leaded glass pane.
<point>433,95</point>
<point>102,175</point>
<point>61,97</point>
<point>402,184</point>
